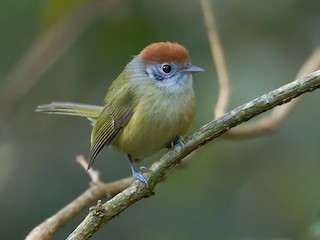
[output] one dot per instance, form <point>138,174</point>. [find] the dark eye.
<point>166,68</point>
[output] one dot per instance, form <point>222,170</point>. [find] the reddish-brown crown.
<point>161,52</point>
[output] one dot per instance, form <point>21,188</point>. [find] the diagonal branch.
<point>103,213</point>
<point>97,190</point>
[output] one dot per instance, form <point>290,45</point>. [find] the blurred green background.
<point>261,188</point>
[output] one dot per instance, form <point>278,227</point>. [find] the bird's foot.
<point>140,177</point>
<point>178,142</point>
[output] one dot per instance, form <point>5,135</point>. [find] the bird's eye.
<point>166,68</point>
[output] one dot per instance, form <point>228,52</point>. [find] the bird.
<point>149,106</point>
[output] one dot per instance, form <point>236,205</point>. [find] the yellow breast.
<point>157,120</point>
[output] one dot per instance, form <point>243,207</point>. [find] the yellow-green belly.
<point>155,123</point>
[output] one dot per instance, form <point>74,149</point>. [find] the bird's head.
<point>164,64</point>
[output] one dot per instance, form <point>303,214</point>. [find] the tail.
<point>69,108</point>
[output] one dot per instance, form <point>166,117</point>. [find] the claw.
<point>138,175</point>
<point>179,141</point>
<point>143,169</point>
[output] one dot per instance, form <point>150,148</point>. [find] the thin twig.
<point>103,213</point>
<point>94,174</point>
<point>96,191</point>
<point>218,58</point>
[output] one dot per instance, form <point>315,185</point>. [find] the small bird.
<point>147,107</point>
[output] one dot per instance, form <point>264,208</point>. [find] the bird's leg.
<point>138,175</point>
<point>179,141</point>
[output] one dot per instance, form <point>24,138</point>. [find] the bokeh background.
<point>262,188</point>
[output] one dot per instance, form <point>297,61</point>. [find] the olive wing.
<point>108,126</point>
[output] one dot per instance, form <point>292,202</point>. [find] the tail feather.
<point>70,108</point>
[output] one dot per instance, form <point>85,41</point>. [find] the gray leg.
<point>138,175</point>
<point>179,141</point>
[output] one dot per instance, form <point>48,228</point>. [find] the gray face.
<point>170,76</point>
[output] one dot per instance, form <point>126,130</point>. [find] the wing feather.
<point>108,126</point>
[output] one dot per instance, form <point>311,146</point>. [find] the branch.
<point>277,115</point>
<point>102,213</point>
<point>97,190</point>
<point>218,58</point>
<point>94,174</point>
